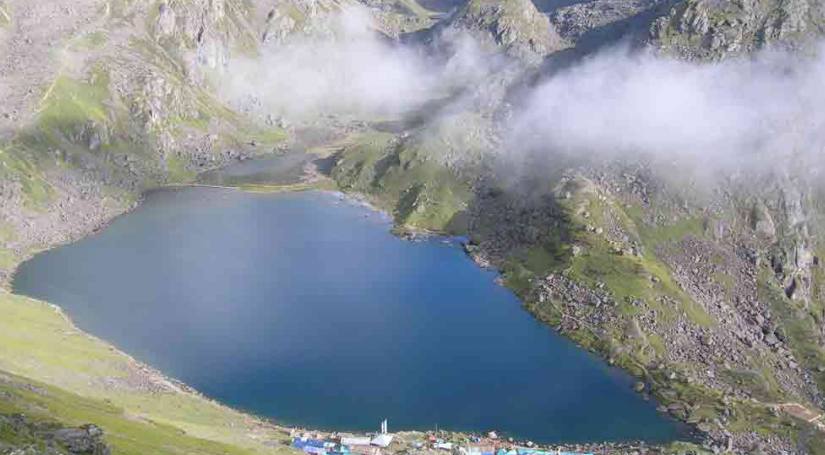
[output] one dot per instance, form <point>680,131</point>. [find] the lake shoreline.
<point>601,447</point>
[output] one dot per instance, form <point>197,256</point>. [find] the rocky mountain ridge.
<point>712,30</point>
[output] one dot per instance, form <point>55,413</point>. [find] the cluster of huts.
<point>379,444</point>
<point>342,446</point>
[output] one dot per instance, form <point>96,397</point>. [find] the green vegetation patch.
<point>140,411</point>
<point>625,276</point>
<point>262,136</point>
<point>416,8</point>
<point>69,103</point>
<point>7,233</point>
<point>36,189</point>
<point>8,259</point>
<point>817,304</point>
<point>800,327</point>
<point>404,180</point>
<point>761,383</point>
<point>90,41</point>
<point>177,171</point>
<point>5,16</point>
<point>552,254</point>
<point>641,276</point>
<point>45,405</point>
<point>747,416</point>
<point>655,236</point>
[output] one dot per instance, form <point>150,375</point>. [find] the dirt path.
<point>814,417</point>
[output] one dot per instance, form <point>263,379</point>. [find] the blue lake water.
<point>304,307</point>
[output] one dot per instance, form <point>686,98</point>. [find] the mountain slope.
<point>516,26</point>
<point>711,293</point>
<point>705,29</point>
<point>80,379</point>
<point>709,290</point>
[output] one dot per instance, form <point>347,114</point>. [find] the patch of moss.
<point>813,442</point>
<point>355,166</point>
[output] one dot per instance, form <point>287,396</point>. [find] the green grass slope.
<point>52,371</point>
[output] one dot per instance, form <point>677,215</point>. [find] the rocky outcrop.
<point>87,439</point>
<point>739,320</point>
<point>710,29</point>
<point>513,25</point>
<point>578,19</point>
<point>284,21</point>
<point>46,438</point>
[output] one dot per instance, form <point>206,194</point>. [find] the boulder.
<point>87,439</point>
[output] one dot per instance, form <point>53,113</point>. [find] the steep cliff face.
<point>709,29</point>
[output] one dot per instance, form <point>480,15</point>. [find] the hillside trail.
<point>33,36</point>
<point>813,417</point>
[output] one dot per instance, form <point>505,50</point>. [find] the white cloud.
<point>352,71</point>
<point>734,114</point>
